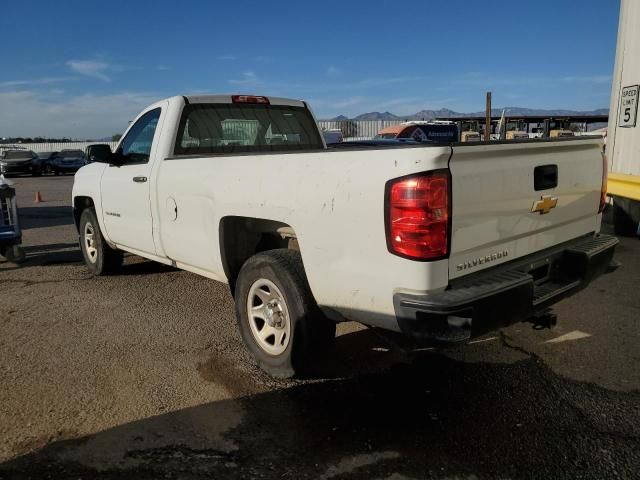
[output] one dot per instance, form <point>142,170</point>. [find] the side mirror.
<point>100,153</point>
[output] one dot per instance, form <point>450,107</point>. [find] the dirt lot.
<point>143,375</point>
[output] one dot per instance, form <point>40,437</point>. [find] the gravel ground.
<point>144,375</point>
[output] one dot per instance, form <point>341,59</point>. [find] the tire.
<point>275,284</point>
<point>623,224</point>
<point>15,254</point>
<point>98,256</point>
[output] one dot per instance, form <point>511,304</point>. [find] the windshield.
<point>233,128</point>
<point>19,154</point>
<point>71,154</point>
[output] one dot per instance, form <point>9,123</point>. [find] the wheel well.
<point>79,204</point>
<point>243,237</point>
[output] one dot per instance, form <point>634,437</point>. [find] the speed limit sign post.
<point>628,106</point>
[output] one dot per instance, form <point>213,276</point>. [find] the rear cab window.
<point>216,128</point>
<point>19,155</point>
<point>71,154</point>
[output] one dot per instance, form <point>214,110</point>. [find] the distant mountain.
<point>377,116</point>
<point>445,112</point>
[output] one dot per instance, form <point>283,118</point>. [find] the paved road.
<point>144,375</point>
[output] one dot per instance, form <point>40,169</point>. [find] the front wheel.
<point>99,257</point>
<point>279,320</point>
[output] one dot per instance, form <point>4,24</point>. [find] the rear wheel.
<point>99,257</point>
<point>278,318</point>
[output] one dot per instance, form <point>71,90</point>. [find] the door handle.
<point>139,179</point>
<point>545,177</point>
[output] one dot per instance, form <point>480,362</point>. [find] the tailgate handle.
<point>545,177</point>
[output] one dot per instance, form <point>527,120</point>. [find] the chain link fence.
<point>53,147</point>
<point>357,129</point>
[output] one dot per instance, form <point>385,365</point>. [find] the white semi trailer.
<point>623,138</point>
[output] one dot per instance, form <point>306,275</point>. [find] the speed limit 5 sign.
<point>628,106</point>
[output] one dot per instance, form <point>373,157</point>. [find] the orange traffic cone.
<point>38,197</point>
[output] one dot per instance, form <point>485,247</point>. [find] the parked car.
<point>422,131</point>
<point>516,135</point>
<point>470,136</point>
<point>17,161</point>
<point>333,135</point>
<point>41,162</point>
<point>66,161</point>
<point>561,133</point>
<point>438,242</point>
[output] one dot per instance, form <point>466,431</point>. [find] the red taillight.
<point>418,216</point>
<point>605,176</point>
<point>249,99</point>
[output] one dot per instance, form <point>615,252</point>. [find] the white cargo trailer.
<point>623,137</point>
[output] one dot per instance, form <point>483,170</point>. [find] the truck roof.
<point>227,99</point>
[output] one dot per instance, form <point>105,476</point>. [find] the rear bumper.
<point>480,302</point>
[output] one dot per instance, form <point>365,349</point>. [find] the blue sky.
<point>83,69</point>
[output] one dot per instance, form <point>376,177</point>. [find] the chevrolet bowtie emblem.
<point>544,205</point>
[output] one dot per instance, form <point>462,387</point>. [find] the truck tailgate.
<point>496,187</point>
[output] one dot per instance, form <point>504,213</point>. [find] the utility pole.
<point>487,125</point>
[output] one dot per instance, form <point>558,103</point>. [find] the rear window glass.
<point>16,154</point>
<point>232,128</point>
<point>71,153</point>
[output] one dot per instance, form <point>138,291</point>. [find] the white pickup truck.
<point>435,241</point>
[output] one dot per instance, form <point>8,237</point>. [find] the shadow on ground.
<point>63,253</point>
<point>434,417</point>
<point>44,216</point>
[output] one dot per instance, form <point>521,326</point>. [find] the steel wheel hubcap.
<point>268,317</point>
<point>89,237</point>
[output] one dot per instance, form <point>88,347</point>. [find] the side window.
<point>136,146</point>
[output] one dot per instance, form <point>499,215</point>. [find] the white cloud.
<point>348,102</point>
<point>333,71</point>
<point>248,79</point>
<point>91,68</point>
<point>400,101</point>
<point>488,80</point>
<point>588,79</point>
<point>29,113</point>
<point>33,81</point>
<point>330,107</point>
